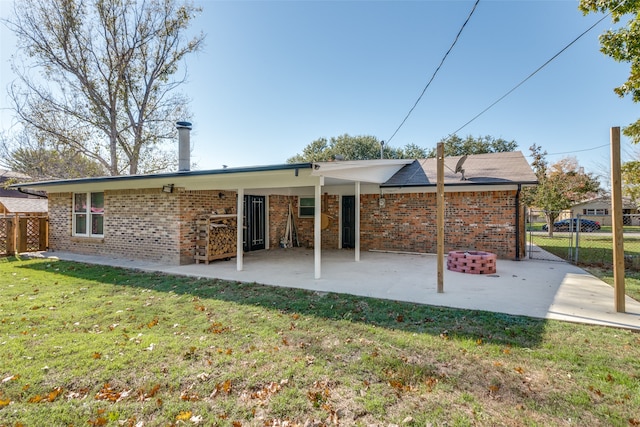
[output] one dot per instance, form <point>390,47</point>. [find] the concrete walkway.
<point>542,289</point>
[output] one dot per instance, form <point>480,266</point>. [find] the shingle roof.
<point>492,168</point>
<point>21,205</point>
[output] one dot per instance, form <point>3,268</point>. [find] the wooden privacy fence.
<point>23,233</point>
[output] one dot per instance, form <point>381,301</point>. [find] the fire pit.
<point>473,262</point>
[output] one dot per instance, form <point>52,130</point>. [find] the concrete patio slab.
<point>541,289</point>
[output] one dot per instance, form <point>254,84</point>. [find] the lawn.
<point>101,346</point>
<point>595,254</point>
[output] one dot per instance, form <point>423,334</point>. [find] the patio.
<point>542,289</point>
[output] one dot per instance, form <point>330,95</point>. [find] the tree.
<point>559,187</point>
<point>456,146</point>
<point>41,161</point>
<point>623,45</point>
<point>348,147</point>
<point>106,79</point>
<point>631,179</point>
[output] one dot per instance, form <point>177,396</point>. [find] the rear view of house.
<point>384,205</point>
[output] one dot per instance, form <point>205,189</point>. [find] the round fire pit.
<point>473,262</point>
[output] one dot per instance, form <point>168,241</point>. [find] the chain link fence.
<point>585,240</point>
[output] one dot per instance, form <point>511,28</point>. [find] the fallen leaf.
<point>100,421</point>
<point>97,355</point>
<point>183,416</point>
<point>494,388</point>
<point>53,394</point>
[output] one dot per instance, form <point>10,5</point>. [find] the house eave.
<point>216,178</point>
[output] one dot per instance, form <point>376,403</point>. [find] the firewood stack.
<point>215,238</point>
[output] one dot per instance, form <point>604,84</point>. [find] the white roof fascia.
<point>233,181</point>
<point>372,171</point>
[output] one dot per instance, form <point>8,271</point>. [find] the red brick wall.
<point>156,226</point>
<point>473,221</point>
<point>141,224</point>
<point>194,204</point>
<point>278,210</point>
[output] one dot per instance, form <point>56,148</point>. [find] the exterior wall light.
<point>168,188</point>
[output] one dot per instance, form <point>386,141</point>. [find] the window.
<point>595,211</point>
<point>306,207</point>
<point>88,214</point>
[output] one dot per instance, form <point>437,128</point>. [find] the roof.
<point>5,174</point>
<point>21,205</point>
<point>219,179</point>
<point>627,203</point>
<point>486,169</point>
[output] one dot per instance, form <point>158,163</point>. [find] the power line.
<point>575,151</point>
<point>536,71</point>
<point>436,71</point>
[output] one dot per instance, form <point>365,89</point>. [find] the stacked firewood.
<point>222,240</point>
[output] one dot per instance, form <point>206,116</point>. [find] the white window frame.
<point>596,211</point>
<point>311,207</point>
<point>89,214</point>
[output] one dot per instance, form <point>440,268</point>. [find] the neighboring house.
<point>23,224</point>
<point>8,177</point>
<point>12,206</point>
<point>385,205</point>
<point>599,209</point>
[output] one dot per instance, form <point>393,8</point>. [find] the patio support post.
<point>357,202</point>
<point>616,211</point>
<point>317,224</point>
<point>240,228</point>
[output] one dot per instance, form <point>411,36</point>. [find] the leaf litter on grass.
<point>154,347</point>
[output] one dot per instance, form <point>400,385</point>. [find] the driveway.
<point>535,288</point>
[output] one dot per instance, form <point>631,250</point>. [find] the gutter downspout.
<point>518,222</point>
<point>31,194</point>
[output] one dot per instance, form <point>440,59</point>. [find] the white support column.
<point>357,203</point>
<point>317,226</point>
<point>240,215</point>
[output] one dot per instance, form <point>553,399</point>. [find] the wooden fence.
<point>23,233</point>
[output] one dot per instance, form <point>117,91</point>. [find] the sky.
<point>274,76</point>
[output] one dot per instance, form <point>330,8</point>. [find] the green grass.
<point>94,345</point>
<point>596,255</point>
<point>537,226</point>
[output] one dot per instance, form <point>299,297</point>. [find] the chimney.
<point>184,146</point>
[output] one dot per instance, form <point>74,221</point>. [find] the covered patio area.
<point>541,289</point>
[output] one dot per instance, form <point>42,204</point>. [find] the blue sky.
<point>276,75</point>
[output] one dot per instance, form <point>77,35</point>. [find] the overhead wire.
<point>537,70</point>
<point>575,151</point>
<point>435,72</point>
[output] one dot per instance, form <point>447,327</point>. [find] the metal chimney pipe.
<point>184,146</point>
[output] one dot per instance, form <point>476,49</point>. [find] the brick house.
<point>385,205</point>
